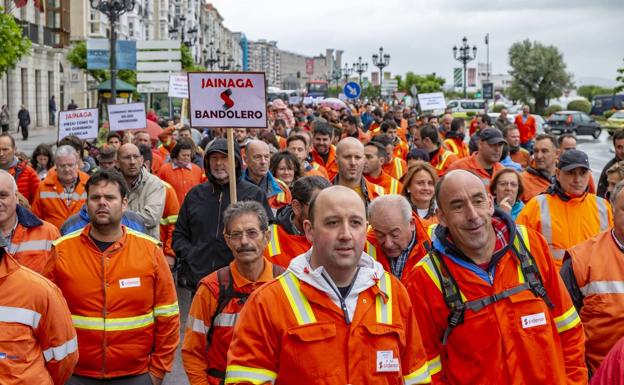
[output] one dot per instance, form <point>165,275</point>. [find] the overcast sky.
<point>419,34</point>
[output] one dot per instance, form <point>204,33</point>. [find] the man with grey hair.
<point>596,284</point>
<point>257,157</point>
<point>62,193</point>
<point>221,295</point>
<point>397,237</point>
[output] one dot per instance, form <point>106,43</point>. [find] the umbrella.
<point>333,103</point>
<point>153,129</point>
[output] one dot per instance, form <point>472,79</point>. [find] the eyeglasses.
<point>237,236</point>
<point>66,166</point>
<point>508,184</point>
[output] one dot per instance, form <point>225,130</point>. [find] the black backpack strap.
<point>531,273</point>
<point>226,288</point>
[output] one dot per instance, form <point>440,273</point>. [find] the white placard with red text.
<point>81,123</point>
<point>227,99</point>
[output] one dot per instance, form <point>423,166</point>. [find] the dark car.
<point>574,122</point>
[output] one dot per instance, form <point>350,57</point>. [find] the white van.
<point>466,105</point>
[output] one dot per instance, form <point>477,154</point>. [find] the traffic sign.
<point>488,91</point>
<point>352,90</point>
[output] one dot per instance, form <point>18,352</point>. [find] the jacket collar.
<point>26,218</point>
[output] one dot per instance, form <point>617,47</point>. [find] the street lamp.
<point>336,74</point>
<point>192,33</point>
<point>381,61</point>
<point>346,72</point>
<point>211,59</point>
<point>360,68</point>
<point>227,64</point>
<point>464,56</point>
<point>113,9</point>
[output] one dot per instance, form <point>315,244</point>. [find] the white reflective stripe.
<point>54,195</point>
<point>197,325</point>
<point>603,213</point>
<point>226,319</point>
<point>20,315</point>
<point>48,194</point>
<point>603,287</point>
<point>40,245</point>
<point>545,218</point>
<point>167,310</point>
<point>59,352</point>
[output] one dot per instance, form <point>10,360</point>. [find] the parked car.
<point>615,122</point>
<point>466,105</point>
<point>574,122</point>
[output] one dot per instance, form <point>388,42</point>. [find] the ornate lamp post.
<point>346,72</point>
<point>381,61</point>
<point>113,9</point>
<point>360,68</point>
<point>210,58</point>
<point>464,56</point>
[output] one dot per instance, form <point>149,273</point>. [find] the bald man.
<point>147,193</point>
<point>351,160</point>
<point>257,157</point>
<point>512,321</point>
<point>309,325</point>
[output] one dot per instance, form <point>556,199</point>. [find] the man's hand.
<point>155,380</point>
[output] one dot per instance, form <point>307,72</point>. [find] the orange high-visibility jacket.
<point>27,180</point>
<point>169,219</point>
<point>31,243</point>
<point>389,184</point>
<point>457,147</point>
<point>527,129</point>
<point>283,247</point>
<point>182,179</point>
<point>362,136</point>
<point>599,273</point>
<point>198,357</point>
<point>330,166</point>
<point>50,203</point>
<point>123,303</point>
<point>443,160</point>
<point>396,168</point>
<point>472,164</point>
<point>400,150</point>
<point>518,340</point>
<point>416,254</point>
<point>291,332</point>
<point>534,183</point>
<point>566,224</point>
<point>316,169</point>
<point>522,157</point>
<point>37,340</point>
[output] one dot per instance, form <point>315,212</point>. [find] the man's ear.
<point>296,207</point>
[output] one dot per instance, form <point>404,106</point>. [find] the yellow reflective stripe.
<point>380,190</point>
<point>454,147</point>
<point>274,245</point>
<point>167,310</point>
<point>383,308</point>
<point>298,302</point>
<point>398,168</point>
<point>170,220</point>
<point>444,157</point>
<point>315,166</point>
<point>427,264</point>
<point>73,234</point>
<point>567,320</point>
<point>112,324</point>
<point>418,376</point>
<point>394,186</point>
<point>435,365</point>
<point>371,250</point>
<point>431,230</point>
<point>235,374</point>
<point>281,197</point>
<point>525,237</point>
<point>141,235</point>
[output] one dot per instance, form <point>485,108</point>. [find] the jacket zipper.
<point>104,316</point>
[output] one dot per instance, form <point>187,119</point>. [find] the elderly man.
<point>146,195</point>
<point>310,325</point>
<point>62,193</point>
<point>25,176</point>
<point>490,304</point>
<point>594,280</point>
<point>257,157</point>
<point>120,292</point>
<point>397,236</point>
<point>222,294</point>
<point>484,163</point>
<point>287,238</point>
<point>30,237</point>
<point>567,214</point>
<point>351,160</point>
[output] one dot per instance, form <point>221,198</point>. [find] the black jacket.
<point>198,239</point>
<point>601,189</point>
<point>24,118</point>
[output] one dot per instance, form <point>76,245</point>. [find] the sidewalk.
<point>36,136</point>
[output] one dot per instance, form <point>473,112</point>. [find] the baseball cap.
<point>572,159</point>
<point>492,136</point>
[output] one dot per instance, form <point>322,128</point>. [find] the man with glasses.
<point>221,295</point>
<point>147,193</point>
<point>62,193</point>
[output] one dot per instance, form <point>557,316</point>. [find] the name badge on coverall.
<point>130,282</point>
<point>386,361</point>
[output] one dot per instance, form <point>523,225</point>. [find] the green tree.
<point>188,64</point>
<point>539,73</point>
<point>14,45</point>
<point>619,78</point>
<point>424,83</point>
<point>590,90</point>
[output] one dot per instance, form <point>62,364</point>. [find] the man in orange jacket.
<point>516,153</point>
<point>489,301</point>
<point>287,239</point>
<point>567,214</point>
<point>539,175</point>
<point>484,163</point>
<point>593,273</point>
<point>62,193</point>
<point>440,158</point>
<point>30,237</point>
<point>393,166</point>
<point>397,237</point>
<point>37,340</point>
<point>373,172</point>
<point>181,173</point>
<point>299,146</point>
<point>222,294</point>
<point>454,139</point>
<point>119,290</point>
<point>25,176</point>
<point>310,325</point>
<point>323,152</point>
<point>527,126</point>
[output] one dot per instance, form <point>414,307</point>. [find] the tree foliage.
<point>188,64</point>
<point>539,73</point>
<point>13,44</point>
<point>580,105</point>
<point>619,78</point>
<point>590,90</point>
<point>424,83</point>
